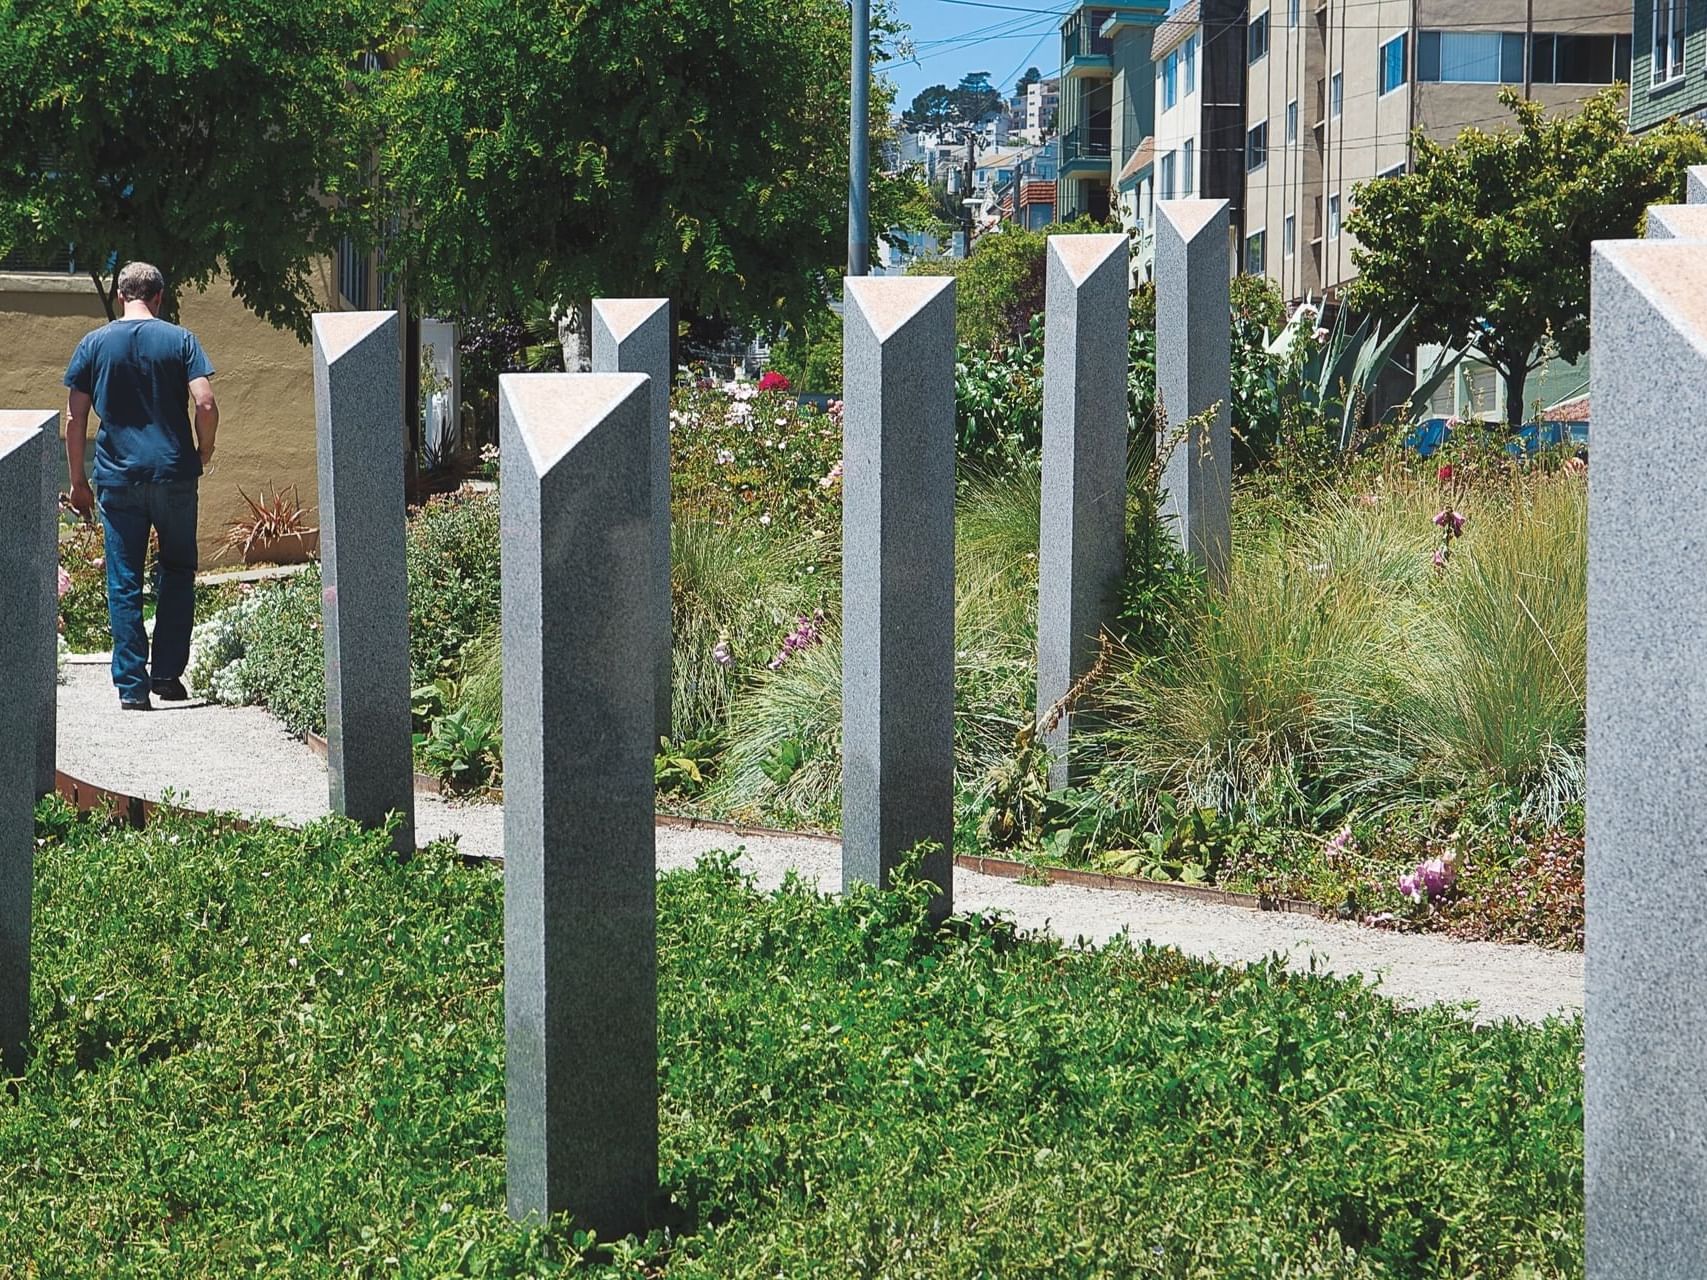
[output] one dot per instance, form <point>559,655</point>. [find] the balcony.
<point>1087,149</point>
<point>1085,52</point>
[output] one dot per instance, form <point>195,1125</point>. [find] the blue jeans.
<point>128,512</point>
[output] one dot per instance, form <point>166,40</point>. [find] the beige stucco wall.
<point>263,381</point>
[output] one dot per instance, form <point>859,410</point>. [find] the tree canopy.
<point>561,149</point>
<point>200,137</point>
<point>1489,237</point>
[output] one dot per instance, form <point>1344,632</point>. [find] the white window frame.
<point>1170,82</point>
<point>1334,216</point>
<point>1292,7</point>
<point>1336,95</point>
<point>1259,237</point>
<point>1166,173</point>
<point>1404,65</point>
<point>1188,168</point>
<point>1676,22</point>
<point>1289,236</point>
<point>1261,125</point>
<point>1292,122</point>
<point>1394,171</point>
<point>1188,57</point>
<point>1260,19</point>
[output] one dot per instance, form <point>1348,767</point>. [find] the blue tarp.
<point>1431,433</point>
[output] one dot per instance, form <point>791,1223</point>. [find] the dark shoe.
<point>143,705</point>
<point>171,691</point>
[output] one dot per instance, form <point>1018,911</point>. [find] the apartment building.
<point>1042,97</point>
<point>1335,88</point>
<point>1669,74</point>
<point>1197,150</point>
<point>1107,100</point>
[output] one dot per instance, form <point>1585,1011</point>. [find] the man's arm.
<point>76,443</point>
<point>207,417</point>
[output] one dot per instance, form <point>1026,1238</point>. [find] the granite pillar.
<point>358,406</point>
<point>28,560</point>
<point>580,960</point>
<point>1193,375</point>
<point>1081,555</point>
<point>898,578</point>
<point>632,335</point>
<point>1645,1110</point>
<point>1677,222</point>
<point>1695,184</point>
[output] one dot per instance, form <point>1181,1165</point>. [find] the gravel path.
<point>238,759</point>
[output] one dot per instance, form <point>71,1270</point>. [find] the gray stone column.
<point>1696,184</point>
<point>37,683</point>
<point>27,631</point>
<point>1194,373</point>
<point>1082,552</point>
<point>1645,1121</point>
<point>898,578</point>
<point>358,407</point>
<point>1677,222</point>
<point>580,957</point>
<point>632,335</point>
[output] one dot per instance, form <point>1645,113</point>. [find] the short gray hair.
<point>140,281</point>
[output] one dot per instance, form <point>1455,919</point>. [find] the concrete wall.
<point>263,380</point>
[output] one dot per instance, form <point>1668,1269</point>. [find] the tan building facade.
<point>264,381</point>
<point>1334,91</point>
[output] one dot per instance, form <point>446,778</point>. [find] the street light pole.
<point>859,143</point>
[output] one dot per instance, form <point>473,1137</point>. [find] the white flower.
<point>765,519</point>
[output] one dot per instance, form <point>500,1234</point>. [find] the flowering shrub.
<point>83,588</point>
<point>806,633</point>
<point>740,451</point>
<point>773,381</point>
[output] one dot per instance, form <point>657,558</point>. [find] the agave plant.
<point>1337,370</point>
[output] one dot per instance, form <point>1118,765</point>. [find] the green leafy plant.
<point>460,748</point>
<point>683,768</point>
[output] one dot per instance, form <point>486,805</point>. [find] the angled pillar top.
<point>27,420</point>
<point>1081,256</point>
<point>1677,222</point>
<point>336,333</point>
<point>1671,275</point>
<point>1695,184</point>
<point>553,412</point>
<point>621,317</point>
<point>1189,219</point>
<point>886,303</point>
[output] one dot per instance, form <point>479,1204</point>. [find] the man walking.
<point>140,373</point>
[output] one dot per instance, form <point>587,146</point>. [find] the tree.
<point>566,149</point>
<point>975,97</point>
<point>200,137</point>
<point>1489,237</point>
<point>1032,76</point>
<point>932,108</point>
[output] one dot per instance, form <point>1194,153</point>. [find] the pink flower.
<point>1451,521</point>
<point>833,477</point>
<point>721,655</point>
<point>64,582</point>
<point>1409,886</point>
<point>773,381</point>
<point>1440,557</point>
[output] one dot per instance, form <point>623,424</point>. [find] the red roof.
<point>1037,191</point>
<point>1567,411</point>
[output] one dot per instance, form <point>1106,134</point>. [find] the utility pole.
<point>966,192</point>
<point>859,143</point>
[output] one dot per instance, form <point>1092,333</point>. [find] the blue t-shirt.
<point>138,372</point>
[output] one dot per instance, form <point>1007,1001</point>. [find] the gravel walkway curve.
<point>238,759</point>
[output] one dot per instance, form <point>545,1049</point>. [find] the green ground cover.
<point>280,1053</point>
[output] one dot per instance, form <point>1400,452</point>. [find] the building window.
<point>1256,147</point>
<point>1292,14</point>
<point>1253,254</point>
<point>1292,120</point>
<point>1573,59</point>
<point>1336,94</point>
<point>1289,236</point>
<point>1170,81</point>
<point>352,274</point>
<point>1191,64</point>
<point>1258,37</point>
<point>1168,176</point>
<point>1393,72</point>
<point>1470,57</point>
<point>1188,174</point>
<point>1668,40</point>
<point>1334,216</point>
<point>1397,171</point>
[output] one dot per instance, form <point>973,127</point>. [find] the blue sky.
<point>953,37</point>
